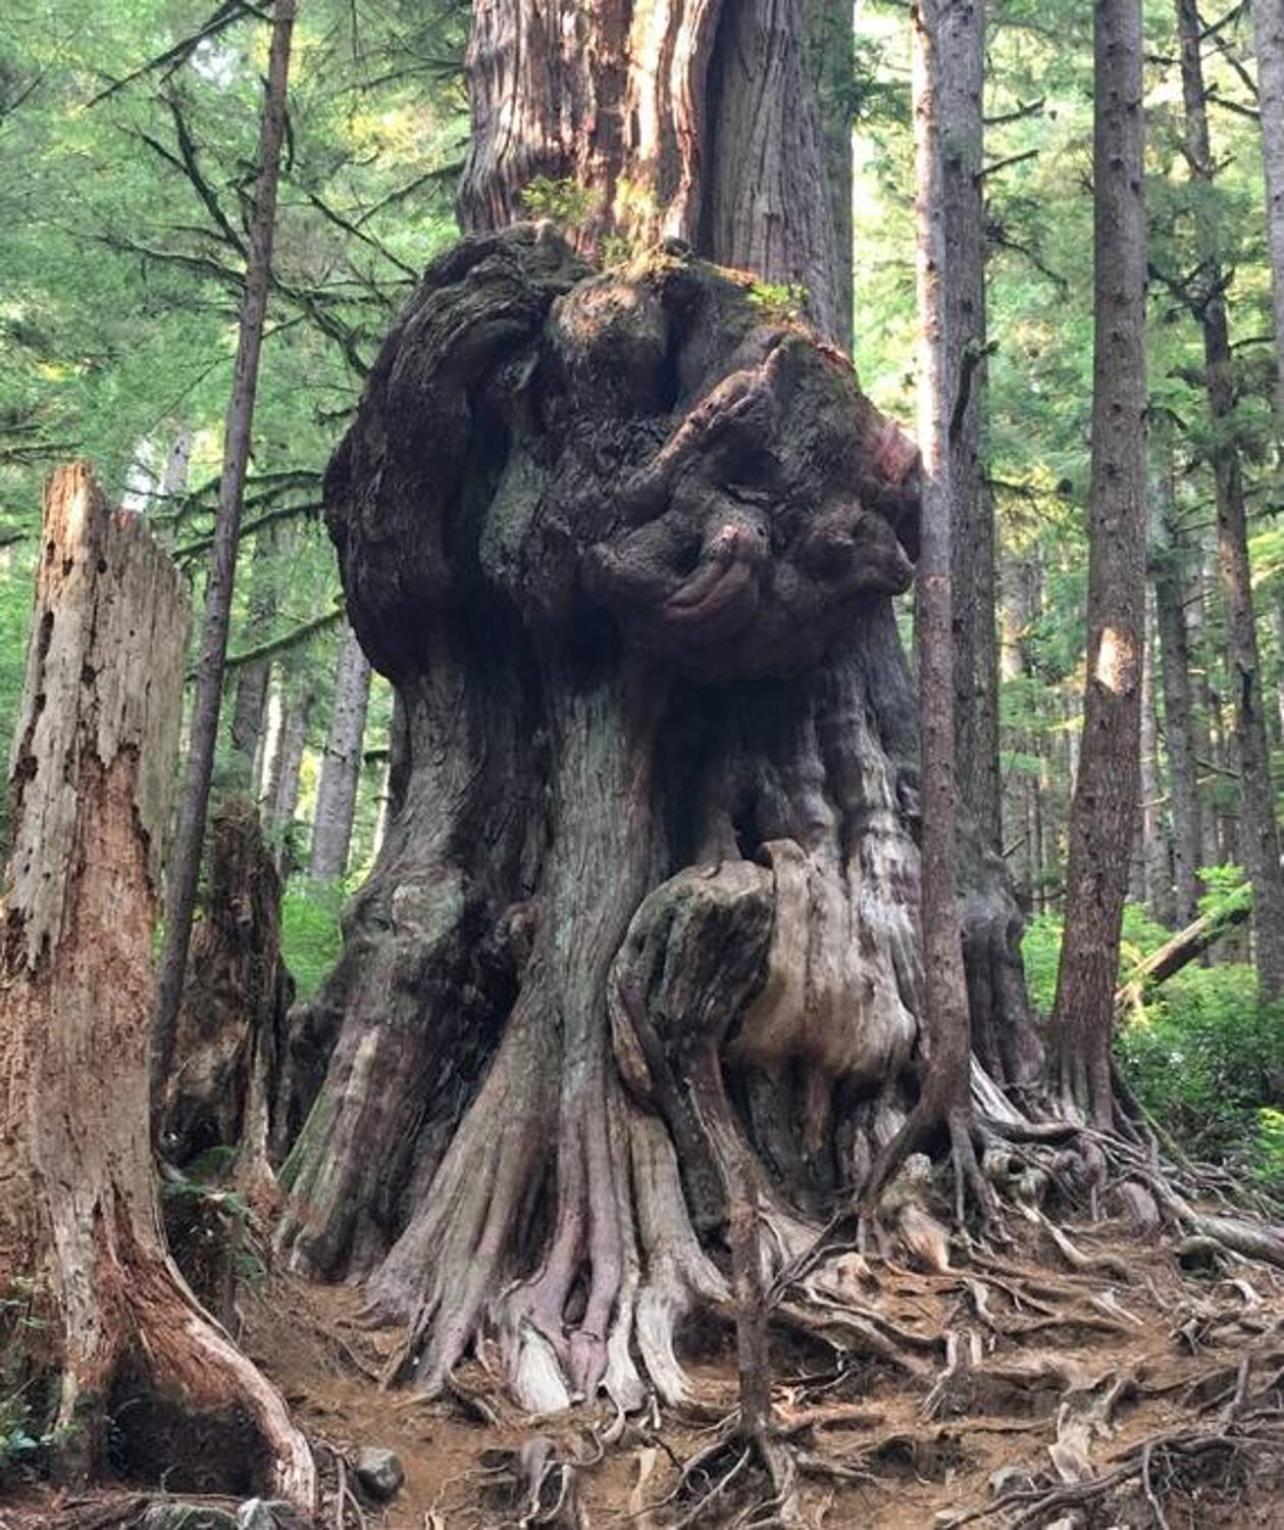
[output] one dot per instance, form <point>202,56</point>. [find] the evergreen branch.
<point>230,12</point>
<point>357,232</point>
<point>257,523</point>
<point>190,166</point>
<point>289,640</point>
<point>1020,112</point>
<point>442,173</point>
<point>986,171</point>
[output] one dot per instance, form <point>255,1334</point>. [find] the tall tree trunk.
<point>341,768</point>
<point>1105,798</point>
<point>1258,837</point>
<point>962,84</point>
<point>1268,39</point>
<point>721,149</point>
<point>249,706</point>
<point>946,1086</point>
<point>1157,882</point>
<point>79,1217</point>
<point>282,796</point>
<point>1179,738</point>
<point>185,865</point>
<point>831,63</point>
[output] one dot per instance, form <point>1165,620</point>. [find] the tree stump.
<point>79,1223</point>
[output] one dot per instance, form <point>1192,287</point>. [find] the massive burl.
<point>625,544</point>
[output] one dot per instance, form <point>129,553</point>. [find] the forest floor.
<point>1058,1374</point>
<point>1128,1369</point>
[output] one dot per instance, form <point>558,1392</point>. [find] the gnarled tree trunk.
<point>78,1217</point>
<point>647,908</point>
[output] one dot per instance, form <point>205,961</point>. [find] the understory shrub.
<point>1203,1056</point>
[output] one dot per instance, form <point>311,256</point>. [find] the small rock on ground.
<point>379,1471</point>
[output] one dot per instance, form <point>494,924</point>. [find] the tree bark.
<point>1258,836</point>
<point>946,1096</point>
<point>341,768</point>
<point>1105,798</point>
<point>719,147</point>
<point>231,1026</point>
<point>1157,880</point>
<point>831,64</point>
<point>1268,39</point>
<point>962,84</point>
<point>79,1216</point>
<point>647,907</point>
<point>249,707</point>
<point>184,870</point>
<point>1175,666</point>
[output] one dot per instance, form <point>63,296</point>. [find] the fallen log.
<point>1185,947</point>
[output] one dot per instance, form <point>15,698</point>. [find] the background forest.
<point>123,200</point>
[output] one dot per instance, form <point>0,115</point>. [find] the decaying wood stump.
<point>79,1225</point>
<point>231,1025</point>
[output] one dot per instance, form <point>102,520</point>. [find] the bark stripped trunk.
<point>341,768</point>
<point>91,782</point>
<point>174,478</point>
<point>184,869</point>
<point>1105,799</point>
<point>1258,835</point>
<point>281,798</point>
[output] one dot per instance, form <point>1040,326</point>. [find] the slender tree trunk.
<point>1156,859</point>
<point>341,768</point>
<point>946,1083</point>
<point>282,797</point>
<point>962,84</point>
<point>249,706</point>
<point>1179,738</point>
<point>1258,836</point>
<point>184,869</point>
<point>1102,812</point>
<point>1268,38</point>
<point>174,478</point>
<point>79,1218</point>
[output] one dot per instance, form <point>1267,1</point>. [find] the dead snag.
<point>79,1222</point>
<point>230,1037</point>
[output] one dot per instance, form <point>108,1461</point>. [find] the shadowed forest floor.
<point>1170,1380</point>
<point>1057,1375</point>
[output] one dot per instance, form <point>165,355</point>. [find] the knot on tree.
<point>647,442</point>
